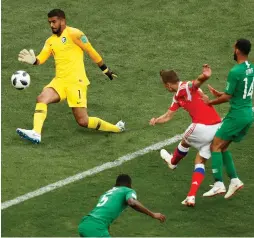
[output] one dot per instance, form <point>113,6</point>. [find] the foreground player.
<point>110,206</point>
<point>205,122</point>
<point>66,45</point>
<point>237,122</point>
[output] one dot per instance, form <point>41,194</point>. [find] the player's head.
<point>170,80</point>
<point>242,47</point>
<point>56,19</point>
<point>123,180</point>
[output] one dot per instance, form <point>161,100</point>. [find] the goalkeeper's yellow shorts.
<point>74,91</point>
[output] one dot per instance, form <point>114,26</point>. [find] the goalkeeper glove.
<point>108,72</point>
<point>27,56</point>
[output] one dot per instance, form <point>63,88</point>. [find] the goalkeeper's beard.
<point>56,31</point>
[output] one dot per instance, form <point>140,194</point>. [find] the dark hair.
<point>243,45</point>
<point>57,13</point>
<point>123,180</point>
<point>169,76</point>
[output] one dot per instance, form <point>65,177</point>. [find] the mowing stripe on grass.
<point>89,172</point>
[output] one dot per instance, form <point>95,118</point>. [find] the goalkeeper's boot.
<point>167,158</point>
<point>30,135</point>
<point>234,186</point>
<point>121,125</point>
<point>189,201</point>
<point>217,188</point>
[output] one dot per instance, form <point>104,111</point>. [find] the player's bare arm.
<point>163,118</point>
<point>206,74</point>
<point>219,100</point>
<point>136,205</point>
<point>221,97</point>
<point>214,92</point>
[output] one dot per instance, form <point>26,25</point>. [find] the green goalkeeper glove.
<point>27,56</point>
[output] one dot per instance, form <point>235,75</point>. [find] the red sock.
<point>197,178</point>
<point>179,153</point>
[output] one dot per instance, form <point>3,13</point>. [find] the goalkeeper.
<point>70,83</point>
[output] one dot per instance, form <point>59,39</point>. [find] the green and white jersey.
<point>112,203</point>
<point>240,85</point>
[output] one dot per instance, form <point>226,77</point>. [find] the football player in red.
<point>205,122</point>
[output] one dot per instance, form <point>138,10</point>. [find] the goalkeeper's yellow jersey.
<point>67,50</point>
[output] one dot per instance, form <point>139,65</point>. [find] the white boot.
<point>121,125</point>
<point>167,157</point>
<point>234,186</point>
<point>189,201</point>
<point>218,188</point>
<point>30,135</point>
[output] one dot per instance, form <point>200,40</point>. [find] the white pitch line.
<point>89,172</point>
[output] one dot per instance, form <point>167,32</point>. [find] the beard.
<point>56,31</point>
<point>235,56</point>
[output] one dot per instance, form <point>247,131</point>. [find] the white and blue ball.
<point>20,80</point>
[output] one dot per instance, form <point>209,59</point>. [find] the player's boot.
<point>167,158</point>
<point>234,186</point>
<point>189,201</point>
<point>218,188</point>
<point>30,135</point>
<point>121,125</point>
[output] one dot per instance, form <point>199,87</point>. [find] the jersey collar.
<point>247,63</point>
<point>179,88</point>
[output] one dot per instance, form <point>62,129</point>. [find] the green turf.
<point>136,39</point>
<point>58,213</point>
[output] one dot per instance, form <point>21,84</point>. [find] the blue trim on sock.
<point>181,152</point>
<point>200,170</point>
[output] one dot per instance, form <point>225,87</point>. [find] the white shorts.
<point>200,137</point>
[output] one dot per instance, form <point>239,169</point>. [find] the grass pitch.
<point>136,39</point>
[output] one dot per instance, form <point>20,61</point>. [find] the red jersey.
<point>188,96</point>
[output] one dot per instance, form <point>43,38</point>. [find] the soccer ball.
<point>20,79</point>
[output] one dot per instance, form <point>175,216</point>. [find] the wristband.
<point>104,68</point>
<point>105,71</point>
<point>35,63</point>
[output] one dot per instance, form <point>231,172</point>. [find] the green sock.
<point>229,164</point>
<point>217,166</point>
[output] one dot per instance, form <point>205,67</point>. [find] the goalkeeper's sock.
<point>217,166</point>
<point>197,178</point>
<point>229,164</point>
<point>179,153</point>
<point>40,115</point>
<point>98,124</point>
